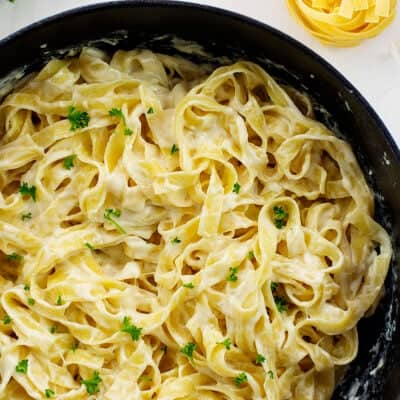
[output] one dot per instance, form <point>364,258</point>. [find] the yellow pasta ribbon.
<point>343,23</point>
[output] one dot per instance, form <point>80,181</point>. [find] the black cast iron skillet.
<point>374,374</point>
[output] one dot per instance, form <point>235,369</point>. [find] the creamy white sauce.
<point>385,158</point>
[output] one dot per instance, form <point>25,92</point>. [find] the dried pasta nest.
<point>343,23</point>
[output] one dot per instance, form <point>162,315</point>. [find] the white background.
<point>371,67</point>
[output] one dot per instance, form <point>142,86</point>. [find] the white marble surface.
<point>371,67</point>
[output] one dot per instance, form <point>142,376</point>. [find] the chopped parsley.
<point>251,255</point>
<point>14,257</point>
<point>133,330</point>
<point>110,214</point>
<point>259,359</point>
<point>236,188</point>
<point>280,217</point>
<point>27,288</point>
<point>241,378</point>
<point>89,246</point>
<point>176,240</point>
<point>69,161</point>
<point>26,216</point>
<point>274,286</point>
<point>188,350</point>
<point>59,300</point>
<point>117,112</point>
<point>226,343</point>
<point>49,393</point>
<point>271,374</point>
<point>74,347</point>
<point>53,329</point>
<point>174,149</point>
<point>150,110</point>
<point>7,320</point>
<point>27,190</point>
<point>92,384</point>
<point>188,285</point>
<point>31,301</point>
<point>22,367</point>
<point>78,119</point>
<point>232,277</point>
<point>164,348</point>
<point>281,304</point>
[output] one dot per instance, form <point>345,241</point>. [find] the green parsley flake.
<point>280,217</point>
<point>26,216</point>
<point>59,300</point>
<point>31,301</point>
<point>74,347</point>
<point>281,304</point>
<point>176,240</point>
<point>69,161</point>
<point>14,257</point>
<point>22,367</point>
<point>259,359</point>
<point>232,277</point>
<point>271,374</point>
<point>164,348</point>
<point>53,329</point>
<point>49,393</point>
<point>236,188</point>
<point>188,285</point>
<point>92,384</point>
<point>110,214</point>
<point>117,112</point>
<point>27,190</point>
<point>241,378</point>
<point>226,343</point>
<point>188,350</point>
<point>150,110</point>
<point>133,330</point>
<point>174,149</point>
<point>27,287</point>
<point>89,246</point>
<point>274,286</point>
<point>251,255</point>
<point>128,132</point>
<point>78,119</point>
<point>7,320</point>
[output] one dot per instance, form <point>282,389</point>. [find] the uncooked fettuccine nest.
<point>343,23</point>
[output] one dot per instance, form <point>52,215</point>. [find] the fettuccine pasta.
<point>343,23</point>
<point>174,234</point>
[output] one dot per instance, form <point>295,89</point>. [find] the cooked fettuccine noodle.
<point>343,23</point>
<point>174,234</point>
